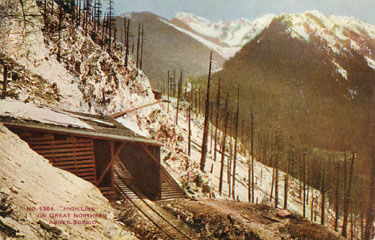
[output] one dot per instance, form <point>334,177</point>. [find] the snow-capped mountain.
<point>310,63</point>
<point>224,37</point>
<point>229,33</point>
<point>338,35</point>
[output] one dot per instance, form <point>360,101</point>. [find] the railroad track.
<point>147,210</point>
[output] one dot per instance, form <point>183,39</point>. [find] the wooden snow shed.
<point>87,147</point>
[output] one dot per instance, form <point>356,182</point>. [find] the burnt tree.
<point>206,119</point>
<point>235,144</point>
<point>223,145</point>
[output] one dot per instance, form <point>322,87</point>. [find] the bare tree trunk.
<point>138,44</point>
<point>277,172</point>
<point>312,207</point>
<point>223,145</point>
<point>5,82</point>
<point>286,184</point>
<point>206,116</point>
<point>199,101</point>
<point>59,33</point>
<point>337,194</point>
<point>362,225</point>
<point>371,202</point>
<point>252,154</point>
<point>235,144</point>
<point>142,43</point>
<point>229,167</point>
<point>211,127</point>
<point>189,131</point>
<point>351,225</point>
<point>127,44</point>
<point>304,185</point>
<point>168,83</point>
<point>178,97</point>
<point>347,199</point>
<point>103,31</point>
<point>272,184</point>
<point>45,14</point>
<point>323,198</point>
<point>217,117</point>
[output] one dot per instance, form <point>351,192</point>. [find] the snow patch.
<point>225,52</point>
<point>370,62</point>
<point>20,110</point>
<point>341,70</point>
<point>231,33</point>
<point>131,123</point>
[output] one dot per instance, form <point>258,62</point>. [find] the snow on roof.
<point>20,110</point>
<point>64,122</point>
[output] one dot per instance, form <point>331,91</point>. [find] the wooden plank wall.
<point>72,154</point>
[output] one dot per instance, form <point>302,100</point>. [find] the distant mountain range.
<point>166,48</point>
<point>310,74</point>
<point>305,66</point>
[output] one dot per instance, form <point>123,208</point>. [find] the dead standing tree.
<point>251,172</point>
<point>5,80</point>
<point>235,144</point>
<point>179,86</point>
<point>347,198</point>
<point>223,145</point>
<point>217,117</point>
<point>206,116</point>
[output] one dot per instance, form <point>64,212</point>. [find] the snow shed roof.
<point>28,116</point>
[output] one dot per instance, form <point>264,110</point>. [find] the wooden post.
<point>111,163</point>
<point>112,146</point>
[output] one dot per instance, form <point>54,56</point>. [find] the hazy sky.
<point>217,10</point>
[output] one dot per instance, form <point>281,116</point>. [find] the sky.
<point>217,10</point>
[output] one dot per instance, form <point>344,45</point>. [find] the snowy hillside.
<point>25,195</point>
<point>231,33</point>
<point>340,35</point>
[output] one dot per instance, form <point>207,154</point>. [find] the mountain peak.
<point>234,33</point>
<point>188,17</point>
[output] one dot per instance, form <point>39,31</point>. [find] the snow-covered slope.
<point>231,33</point>
<point>339,35</point>
<point>225,52</point>
<point>25,197</point>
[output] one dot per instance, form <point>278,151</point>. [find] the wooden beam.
<point>82,133</point>
<point>120,114</point>
<point>150,154</point>
<point>110,164</point>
